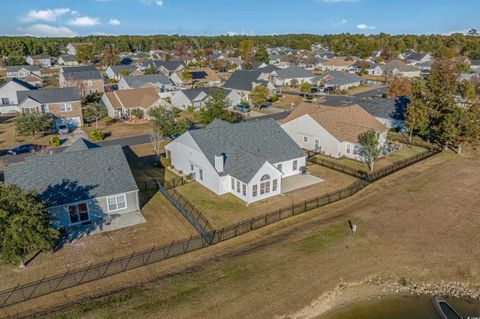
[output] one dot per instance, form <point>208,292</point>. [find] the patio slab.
<point>295,182</point>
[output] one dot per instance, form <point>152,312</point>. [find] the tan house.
<point>337,64</point>
<point>120,103</point>
<point>332,130</point>
<point>86,78</point>
<point>63,103</point>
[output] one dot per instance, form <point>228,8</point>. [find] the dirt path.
<point>416,224</point>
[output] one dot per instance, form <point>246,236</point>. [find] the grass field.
<point>119,128</point>
<point>9,137</point>
<point>417,229</point>
<point>228,209</point>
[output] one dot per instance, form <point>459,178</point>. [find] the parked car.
<point>244,108</point>
<point>63,129</point>
<point>24,148</point>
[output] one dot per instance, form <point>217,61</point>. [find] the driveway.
<point>292,183</point>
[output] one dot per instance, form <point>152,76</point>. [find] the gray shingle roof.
<point>139,81</point>
<point>79,73</point>
<point>294,72</point>
<point>74,175</point>
<point>242,80</point>
<point>56,95</point>
<point>20,82</point>
<point>337,78</point>
<point>16,68</point>
<point>192,94</point>
<point>118,68</point>
<point>246,145</point>
<point>69,58</point>
<point>170,66</point>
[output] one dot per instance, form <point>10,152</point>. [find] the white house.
<point>247,159</point>
<point>8,95</point>
<point>41,60</point>
<point>338,80</point>
<point>22,71</point>
<point>286,76</point>
<point>160,81</point>
<point>332,130</point>
<point>197,97</point>
<point>398,68</point>
<point>117,72</point>
<point>67,60</point>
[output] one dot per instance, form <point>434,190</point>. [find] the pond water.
<point>401,308</point>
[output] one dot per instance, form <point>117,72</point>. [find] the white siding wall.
<point>270,170</point>
<point>287,166</point>
<point>9,91</point>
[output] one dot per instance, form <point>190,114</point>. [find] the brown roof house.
<point>337,64</point>
<point>204,77</point>
<point>86,78</point>
<point>63,103</point>
<point>332,130</point>
<point>120,103</point>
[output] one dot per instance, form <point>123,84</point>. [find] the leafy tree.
<point>165,121</point>
<point>399,86</point>
<point>96,135</point>
<point>138,113</point>
<point>294,83</point>
<point>261,55</point>
<point>474,55</point>
<point>305,88</point>
<point>13,59</point>
<point>54,141</point>
<point>186,75</point>
<point>124,73</point>
<point>85,52</point>
<point>216,107</point>
<point>370,149</point>
<point>472,32</point>
<point>247,52</point>
<point>32,124</point>
<point>149,70</point>
<point>94,113</point>
<point>110,55</point>
<point>417,118</point>
<point>24,225</point>
<point>259,95</point>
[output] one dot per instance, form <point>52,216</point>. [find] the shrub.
<point>274,98</point>
<point>96,135</point>
<point>110,120</point>
<point>190,109</point>
<point>54,141</point>
<point>138,113</point>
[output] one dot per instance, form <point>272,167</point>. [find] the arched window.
<point>265,178</point>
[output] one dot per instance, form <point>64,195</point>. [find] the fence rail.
<point>208,236</point>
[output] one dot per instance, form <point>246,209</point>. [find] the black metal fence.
<point>152,184</point>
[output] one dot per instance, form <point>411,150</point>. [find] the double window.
<point>295,165</point>
<point>265,184</point>
<point>78,213</point>
<point>238,186</point>
<point>244,189</point>
<point>200,173</point>
<point>305,139</point>
<point>233,183</point>
<point>117,202</point>
<point>5,101</point>
<point>66,107</point>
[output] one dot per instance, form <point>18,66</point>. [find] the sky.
<point>251,17</point>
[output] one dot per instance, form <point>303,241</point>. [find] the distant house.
<point>67,60</point>
<point>200,76</point>
<point>336,64</point>
<point>86,78</point>
<point>236,61</point>
<point>398,68</point>
<point>274,59</point>
<point>167,67</point>
<point>22,71</point>
<point>474,65</point>
<point>72,48</point>
<point>247,159</point>
<point>85,188</point>
<point>242,82</point>
<point>43,61</point>
<point>196,98</point>
<point>116,71</point>
<point>286,76</point>
<point>65,104</point>
<point>338,80</point>
<point>8,95</point>
<point>120,103</point>
<point>333,131</point>
<point>370,67</point>
<point>159,81</point>
<point>416,57</point>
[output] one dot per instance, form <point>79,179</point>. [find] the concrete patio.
<point>295,182</point>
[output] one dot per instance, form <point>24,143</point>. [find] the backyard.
<point>227,209</point>
<point>114,129</point>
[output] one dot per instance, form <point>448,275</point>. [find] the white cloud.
<point>45,30</point>
<point>114,22</point>
<point>155,2</point>
<point>363,26</point>
<point>84,21</point>
<point>44,15</point>
<point>231,33</point>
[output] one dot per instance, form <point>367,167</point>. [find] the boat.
<point>444,310</point>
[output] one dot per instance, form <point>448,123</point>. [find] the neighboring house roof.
<point>475,62</point>
<point>56,95</point>
<point>193,94</point>
<point>337,78</point>
<point>243,80</point>
<point>257,64</point>
<point>16,68</point>
<point>80,73</point>
<point>268,69</point>
<point>147,79</point>
<point>399,65</point>
<point>246,145</point>
<point>340,62</point>
<point>294,72</point>
<point>203,75</point>
<point>273,57</point>
<point>142,97</point>
<point>235,60</point>
<point>69,58</point>
<point>118,68</point>
<point>414,56</point>
<point>82,172</point>
<point>345,123</point>
<point>18,81</point>
<point>426,64</point>
<point>170,66</point>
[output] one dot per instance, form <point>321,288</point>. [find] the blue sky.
<point>212,17</point>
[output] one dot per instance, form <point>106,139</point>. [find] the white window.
<point>238,186</point>
<point>279,167</point>
<point>66,107</point>
<point>348,148</point>
<point>244,189</point>
<point>305,139</point>
<point>317,143</point>
<point>78,213</point>
<point>116,202</point>
<point>233,183</point>
<point>200,172</point>
<point>295,165</point>
<point>254,190</point>
<point>265,184</point>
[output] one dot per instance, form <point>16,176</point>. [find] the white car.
<point>63,129</point>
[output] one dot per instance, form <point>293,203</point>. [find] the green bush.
<point>274,98</point>
<point>54,141</point>
<point>110,120</point>
<point>190,109</point>
<point>96,135</point>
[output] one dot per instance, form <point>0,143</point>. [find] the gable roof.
<point>203,75</point>
<point>76,174</point>
<point>399,65</point>
<point>16,68</point>
<point>345,123</point>
<point>337,78</point>
<point>141,97</point>
<point>246,145</point>
<point>56,95</point>
<point>81,145</point>
<point>243,80</point>
<point>122,67</point>
<point>170,66</point>
<point>68,58</point>
<point>20,82</point>
<point>80,73</point>
<point>142,80</point>
<point>192,94</point>
<point>414,56</point>
<point>294,72</point>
